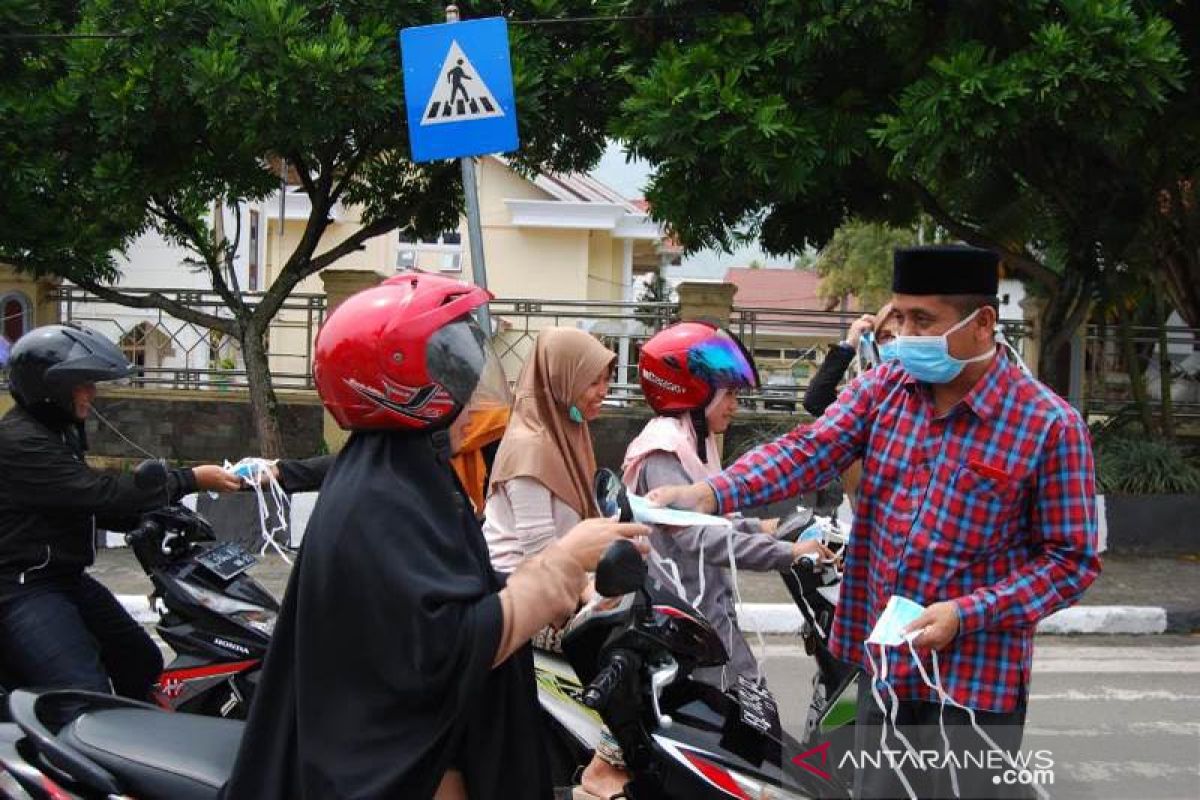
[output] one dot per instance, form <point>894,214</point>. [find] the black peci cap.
<point>945,269</point>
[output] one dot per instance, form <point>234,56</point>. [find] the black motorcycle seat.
<point>157,754</point>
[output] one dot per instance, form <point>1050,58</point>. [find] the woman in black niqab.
<point>400,667</point>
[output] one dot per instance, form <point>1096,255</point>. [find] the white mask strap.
<point>936,686</point>
<point>1003,341</point>
<point>946,698</point>
<point>254,471</point>
<point>984,356</point>
<point>879,675</point>
<point>737,603</point>
<point>962,323</point>
<point>669,570</point>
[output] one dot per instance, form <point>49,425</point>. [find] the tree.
<point>1012,125</point>
<point>197,105</point>
<point>857,262</point>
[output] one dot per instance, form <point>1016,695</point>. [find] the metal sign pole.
<point>474,227</point>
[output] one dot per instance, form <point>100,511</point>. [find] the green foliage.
<point>858,261</point>
<point>121,135</point>
<point>199,105</point>
<point>1046,130</point>
<point>1140,465</point>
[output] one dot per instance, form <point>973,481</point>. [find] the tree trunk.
<point>1161,317</point>
<point>264,405</point>
<point>1066,309</point>
<point>1133,368</point>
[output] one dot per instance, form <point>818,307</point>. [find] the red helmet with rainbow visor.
<point>681,367</point>
<point>407,355</point>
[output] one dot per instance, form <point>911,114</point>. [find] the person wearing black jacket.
<point>823,388</point>
<point>880,331</point>
<point>60,628</point>
<point>307,474</point>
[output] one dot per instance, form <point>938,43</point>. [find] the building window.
<point>252,261</point>
<point>17,316</point>
<point>443,254</point>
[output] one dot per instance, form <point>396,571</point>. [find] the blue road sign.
<point>458,89</point>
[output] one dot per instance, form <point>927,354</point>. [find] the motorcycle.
<point>215,617</point>
<point>681,738</point>
<point>627,661</point>
<point>634,653</point>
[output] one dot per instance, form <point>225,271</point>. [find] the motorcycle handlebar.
<point>597,694</point>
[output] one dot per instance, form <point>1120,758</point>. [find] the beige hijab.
<point>542,442</point>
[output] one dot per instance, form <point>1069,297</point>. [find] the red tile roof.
<point>790,289</point>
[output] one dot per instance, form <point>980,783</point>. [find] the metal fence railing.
<point>1108,387</point>
<point>622,326</point>
<point>788,345</point>
<point>168,352</point>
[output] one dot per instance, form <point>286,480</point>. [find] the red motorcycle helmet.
<point>681,367</point>
<point>404,355</point>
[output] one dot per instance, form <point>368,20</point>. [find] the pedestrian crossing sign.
<point>458,89</point>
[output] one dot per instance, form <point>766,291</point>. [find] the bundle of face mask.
<point>260,477</point>
<point>898,614</point>
<point>649,514</point>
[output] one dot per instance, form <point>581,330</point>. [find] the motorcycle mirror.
<point>621,570</point>
<point>150,474</point>
<point>611,498</point>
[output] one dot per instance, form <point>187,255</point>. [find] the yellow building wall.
<point>547,263</point>
<point>604,277</point>
<point>36,290</point>
<point>522,262</point>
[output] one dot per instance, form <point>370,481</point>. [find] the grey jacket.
<point>752,550</point>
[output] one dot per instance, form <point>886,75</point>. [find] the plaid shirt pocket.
<point>983,510</point>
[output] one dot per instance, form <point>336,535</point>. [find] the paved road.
<point>1120,715</point>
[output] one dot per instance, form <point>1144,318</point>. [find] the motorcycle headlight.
<point>256,617</point>
<point>761,791</point>
<point>733,783</point>
<point>261,620</point>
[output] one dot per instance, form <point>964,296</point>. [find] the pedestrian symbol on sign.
<point>458,89</point>
<point>459,94</point>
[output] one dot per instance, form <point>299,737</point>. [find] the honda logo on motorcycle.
<point>234,646</point>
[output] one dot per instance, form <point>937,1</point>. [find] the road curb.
<point>138,606</point>
<point>776,618</point>
<point>784,618</point>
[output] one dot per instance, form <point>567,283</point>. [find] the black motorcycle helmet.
<point>46,364</point>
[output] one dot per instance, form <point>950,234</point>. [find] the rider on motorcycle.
<point>59,628</point>
<point>399,665</point>
<point>690,374</point>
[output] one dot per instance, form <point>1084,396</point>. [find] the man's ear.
<point>988,322</point>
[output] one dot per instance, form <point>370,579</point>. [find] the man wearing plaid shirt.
<point>977,501</point>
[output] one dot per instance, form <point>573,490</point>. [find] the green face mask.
<point>575,414</point>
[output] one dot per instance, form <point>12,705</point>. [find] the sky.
<point>630,179</point>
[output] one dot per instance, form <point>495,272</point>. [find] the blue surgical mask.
<point>575,414</point>
<point>897,614</point>
<point>888,351</point>
<point>928,359</point>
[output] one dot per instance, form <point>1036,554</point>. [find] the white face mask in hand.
<point>899,613</point>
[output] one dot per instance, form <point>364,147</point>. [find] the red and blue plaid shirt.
<point>991,505</point>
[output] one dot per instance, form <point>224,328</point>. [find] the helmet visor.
<point>722,361</point>
<point>485,415</point>
<point>456,357</point>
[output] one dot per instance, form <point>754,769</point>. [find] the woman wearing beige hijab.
<point>541,482</point>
